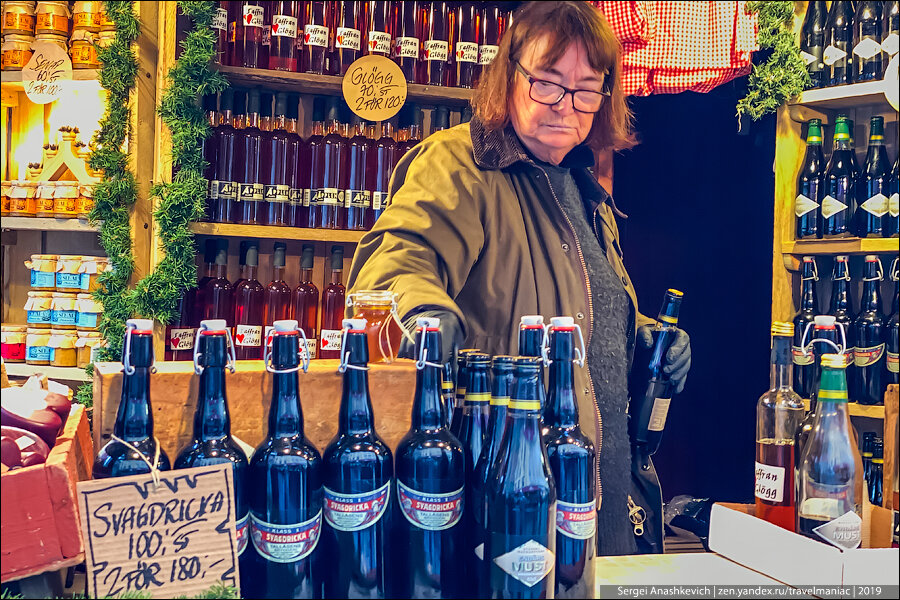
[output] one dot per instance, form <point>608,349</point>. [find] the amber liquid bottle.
<point>179,333</point>
<point>297,162</point>
<point>346,44</point>
<point>306,301</point>
<point>333,308</point>
<point>411,121</point>
<point>327,173</point>
<point>277,161</point>
<point>314,148</point>
<point>357,199</point>
<point>493,21</point>
<point>434,68</point>
<point>316,33</point>
<point>250,25</point>
<point>223,190</point>
<point>380,32</point>
<point>249,303</point>
<point>278,294</point>
<point>218,293</point>
<point>210,248</point>
<point>382,160</point>
<point>266,125</point>
<point>465,59</point>
<point>220,28</point>
<point>406,50</point>
<point>209,148</point>
<point>283,51</point>
<point>250,196</point>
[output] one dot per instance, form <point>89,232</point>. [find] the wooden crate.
<point>40,530</point>
<point>173,393</point>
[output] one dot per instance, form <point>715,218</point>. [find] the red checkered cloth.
<point>671,47</point>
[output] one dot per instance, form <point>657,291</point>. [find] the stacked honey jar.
<point>73,26</point>
<point>60,199</point>
<point>62,317</point>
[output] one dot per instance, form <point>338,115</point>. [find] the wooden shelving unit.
<point>856,95</point>
<point>55,373</point>
<point>277,233</point>
<point>842,246</point>
<point>861,410</point>
<point>45,224</point>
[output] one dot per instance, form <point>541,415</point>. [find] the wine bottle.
<point>839,38</point>
<point>812,42</point>
<point>810,185</point>
<point>867,22</point>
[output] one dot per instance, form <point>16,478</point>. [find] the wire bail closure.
<point>807,347</point>
<point>302,355</point>
<point>895,269</point>
<point>126,353</point>
<point>545,345</point>
<point>154,468</point>
<point>229,345</point>
<point>815,275</point>
<point>880,272</point>
<point>423,362</point>
<point>580,353</point>
<point>345,356</point>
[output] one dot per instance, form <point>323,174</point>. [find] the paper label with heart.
<point>254,15</point>
<point>832,206</point>
<point>833,54</point>
<point>467,52</point>
<point>346,37</point>
<point>436,50</point>
<point>311,347</point>
<point>803,205</point>
<point>248,335</point>
<point>867,48</point>
<point>876,205</point>
<point>331,339</point>
<point>315,35</point>
<point>220,19</point>
<point>379,42</point>
<point>284,26</point>
<point>486,53</point>
<point>181,339</point>
<point>406,47</point>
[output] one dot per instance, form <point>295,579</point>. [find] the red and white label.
<point>181,339</point>
<point>406,47</point>
<point>254,15</point>
<point>284,26</point>
<point>379,42</point>
<point>220,19</point>
<point>866,357</point>
<point>467,52</point>
<point>331,339</point>
<point>285,543</point>
<point>486,53</point>
<point>248,335</point>
<point>242,533</point>
<point>353,512</point>
<point>769,483</point>
<point>345,37</point>
<point>436,50</point>
<point>315,35</point>
<point>578,521</point>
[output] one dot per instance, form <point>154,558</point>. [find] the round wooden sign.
<point>374,88</point>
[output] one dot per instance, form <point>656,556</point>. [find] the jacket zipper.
<point>587,280</point>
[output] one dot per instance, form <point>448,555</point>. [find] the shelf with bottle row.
<point>853,245</point>
<point>822,101</point>
<point>860,410</point>
<point>330,85</point>
<point>54,373</point>
<point>46,224</point>
<point>12,80</point>
<point>277,233</point>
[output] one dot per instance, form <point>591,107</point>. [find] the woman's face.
<point>550,132</point>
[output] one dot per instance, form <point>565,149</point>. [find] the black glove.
<point>452,335</point>
<point>678,357</point>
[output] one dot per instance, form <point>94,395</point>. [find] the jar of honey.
<point>4,197</point>
<point>86,16</point>
<point>89,311</point>
<point>84,347</point>
<point>59,40</point>
<point>21,199</point>
<point>52,17</point>
<point>106,38</point>
<point>38,309</point>
<point>65,204</point>
<point>68,273</point>
<point>91,268</point>
<point>12,343</point>
<point>43,271</point>
<point>37,347</point>
<point>43,199</point>
<point>82,50</point>
<point>63,314</point>
<point>85,201</point>
<point>106,23</point>
<point>18,17</point>
<point>15,52</point>
<point>383,329</point>
<point>62,348</point>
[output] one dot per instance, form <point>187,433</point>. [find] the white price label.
<point>658,414</point>
<point>181,339</point>
<point>803,205</point>
<point>220,19</point>
<point>467,52</point>
<point>331,339</point>
<point>436,50</point>
<point>346,37</point>
<point>315,35</point>
<point>486,53</point>
<point>406,47</point>
<point>254,16</point>
<point>379,42</point>
<point>248,335</point>
<point>769,483</point>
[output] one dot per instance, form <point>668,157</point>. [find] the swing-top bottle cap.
<point>841,258</point>
<point>354,324</point>
<point>532,320</point>
<point>285,326</point>
<point>824,321</point>
<point>871,258</point>
<point>213,326</point>
<point>143,325</point>
<point>562,322</point>
<point>428,322</point>
<point>809,259</point>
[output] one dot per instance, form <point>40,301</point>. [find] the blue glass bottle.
<point>448,392</point>
<point>134,418</point>
<point>573,462</point>
<point>462,379</point>
<point>521,498</point>
<point>532,336</point>
<point>430,467</point>
<point>212,443</point>
<point>285,489</point>
<point>359,469</point>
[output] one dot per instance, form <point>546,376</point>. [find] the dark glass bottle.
<point>466,51</point>
<point>180,333</point>
<point>346,45</point>
<point>531,343</point>
<point>134,417</point>
<point>440,119</point>
<point>212,443</point>
<point>278,294</point>
<point>380,33</point>
<point>210,249</point>
<point>327,166</point>
<point>838,205</point>
<point>266,43</point>
<point>407,28</point>
<point>249,306</point>
<point>870,334</point>
<point>462,380</point>
<point>824,332</point>
<point>812,42</point>
<point>220,28</point>
<point>306,300</point>
<point>242,262</point>
<point>358,472</point>
<point>875,188</point>
<point>875,481</point>
<point>333,306</point>
<point>650,390</point>
<point>283,51</point>
<point>277,161</point>
<point>315,145</point>
<point>209,149</point>
<point>493,22</point>
<point>448,393</point>
<point>316,33</point>
<point>839,41</point>
<point>223,186</point>
<point>867,22</point>
<point>357,199</point>
<point>378,176</point>
<point>892,219</point>
<point>248,33</point>
<point>809,308</point>
<point>434,68</point>
<point>892,350</point>
<point>218,294</point>
<point>411,119</point>
<point>298,160</point>
<point>521,498</point>
<point>247,158</point>
<point>867,449</point>
<point>841,308</point>
<point>285,489</point>
<point>890,30</point>
<point>573,462</point>
<point>811,185</point>
<point>431,475</point>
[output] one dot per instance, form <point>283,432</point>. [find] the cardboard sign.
<point>48,67</point>
<point>374,88</point>
<point>176,539</point>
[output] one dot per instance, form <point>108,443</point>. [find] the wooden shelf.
<point>330,85</point>
<point>46,224</point>
<point>277,233</point>
<point>12,80</point>
<point>55,373</point>
<point>842,246</point>
<point>861,410</point>
<point>841,97</point>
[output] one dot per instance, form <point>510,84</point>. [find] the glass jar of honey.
<point>86,16</point>
<point>4,197</point>
<point>68,273</point>
<point>12,343</point>
<point>65,204</point>
<point>85,201</point>
<point>37,347</point>
<point>18,17</point>
<point>43,271</point>
<point>38,309</point>
<point>63,314</point>
<point>383,328</point>
<point>15,52</point>
<point>89,311</point>
<point>84,346</point>
<point>91,268</point>
<point>52,17</point>
<point>82,50</point>
<point>43,199</point>
<point>21,199</point>
<point>62,348</point>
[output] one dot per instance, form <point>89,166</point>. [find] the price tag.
<point>769,482</point>
<point>374,88</point>
<point>172,540</point>
<point>48,67</point>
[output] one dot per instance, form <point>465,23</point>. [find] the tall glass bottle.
<point>440,119</point>
<point>812,42</point>
<point>841,308</point>
<point>474,418</point>
<point>357,199</point>
<point>870,334</point>
<point>380,33</point>
<point>358,472</point>
<point>411,118</point>
<point>462,380</point>
<point>223,187</point>
<point>831,483</point>
<point>247,157</point>
<point>838,205</point>
<point>779,413</point>
<point>316,33</point>
<point>220,28</point>
<point>285,490</point>
<point>378,175</point>
<point>315,148</point>
<point>839,40</point>
<point>179,332</point>
<point>407,28</point>
<point>249,306</point>
<point>209,149</point>
<point>327,171</point>
<point>809,308</point>
<point>466,51</point>
<point>651,392</point>
<point>136,447</point>
<point>248,23</point>
<point>573,462</point>
<point>430,467</point>
<point>434,68</point>
<point>283,52</point>
<point>333,306</point>
<point>218,295</point>
<point>892,350</point>
<point>212,443</point>
<point>210,249</point>
<point>346,43</point>
<point>521,498</point>
<point>298,160</point>
<point>531,343</point>
<point>890,31</point>
<point>875,185</point>
<point>493,23</point>
<point>825,339</point>
<point>892,219</point>
<point>811,185</point>
<point>278,294</point>
<point>242,262</point>
<point>306,300</point>
<point>277,161</point>
<point>867,23</point>
<point>875,480</point>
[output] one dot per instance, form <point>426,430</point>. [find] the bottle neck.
<point>336,276</point>
<point>212,421</point>
<point>134,418</point>
<point>248,272</point>
<point>252,120</point>
<point>221,271</point>
<point>277,273</point>
<point>356,405</point>
<point>477,385</point>
<point>782,372</point>
<point>871,297</point>
<point>285,415</point>
<point>226,118</point>
<point>212,117</point>
<point>306,275</point>
<point>427,406</point>
<point>530,339</point>
<point>561,410</point>
<point>808,293</point>
<point>291,126</point>
<point>840,295</point>
<point>266,123</point>
<point>318,128</point>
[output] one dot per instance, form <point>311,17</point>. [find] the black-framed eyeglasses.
<point>550,93</point>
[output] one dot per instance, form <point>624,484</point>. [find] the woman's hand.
<point>678,357</point>
<point>451,334</point>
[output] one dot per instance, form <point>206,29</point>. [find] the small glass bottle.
<point>346,45</point>
<point>218,293</point>
<point>333,307</point>
<point>380,31</point>
<point>466,51</point>
<point>249,23</point>
<point>306,301</point>
<point>283,51</point>
<point>278,293</point>
<point>357,199</point>
<point>382,161</point>
<point>250,197</point>
<point>249,305</point>
<point>434,68</point>
<point>316,32</point>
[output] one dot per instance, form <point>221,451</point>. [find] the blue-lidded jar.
<point>89,311</point>
<point>43,271</point>
<point>68,274</point>
<point>63,313</point>
<point>38,309</point>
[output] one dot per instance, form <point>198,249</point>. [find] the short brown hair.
<point>563,23</point>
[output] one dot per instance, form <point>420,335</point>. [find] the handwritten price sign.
<point>176,539</point>
<point>43,75</point>
<point>374,88</point>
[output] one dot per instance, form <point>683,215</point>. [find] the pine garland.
<point>784,74</point>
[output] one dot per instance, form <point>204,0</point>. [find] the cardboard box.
<point>737,534</point>
<point>39,525</point>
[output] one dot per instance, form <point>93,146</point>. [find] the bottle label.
<point>529,563</point>
<point>253,15</point>
<point>227,190</point>
<point>803,205</point>
<point>800,358</point>
<point>436,50</point>
<point>38,317</point>
<point>277,193</point>
<point>181,339</point>
<point>893,362</point>
<point>242,533</point>
<point>833,54</point>
<point>379,42</point>
<point>877,205</point>
<point>406,47</point>
<point>432,512</point>
<point>87,320</point>
<point>63,317</point>
<point>380,200</point>
<point>352,512</point>
<point>310,348</point>
<point>658,414</point>
<point>769,483</point>
<point>220,19</point>
<point>284,26</point>
<point>577,521</point>
<point>285,543</point>
<point>331,339</point>
<point>327,197</point>
<point>43,279</point>
<point>40,353</point>
<point>891,44</point>
<point>315,35</point>
<point>212,190</point>
<point>867,48</point>
<point>357,199</point>
<point>807,57</point>
<point>832,206</point>
<point>251,192</point>
<point>248,335</point>
<point>486,53</point>
<point>295,197</point>
<point>866,357</point>
<point>466,52</point>
<point>345,37</point>
<point>844,532</point>
<point>307,196</point>
<point>894,205</point>
<point>68,280</point>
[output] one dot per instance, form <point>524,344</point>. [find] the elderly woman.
<point>503,217</point>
